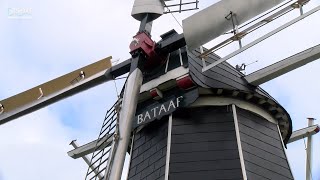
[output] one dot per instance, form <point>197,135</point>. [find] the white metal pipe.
<point>283,148</point>
<point>309,152</point>
<point>166,177</point>
<point>127,113</point>
<point>202,59</point>
<point>236,125</point>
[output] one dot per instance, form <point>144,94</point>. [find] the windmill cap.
<point>142,7</point>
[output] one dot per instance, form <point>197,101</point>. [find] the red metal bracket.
<point>142,42</point>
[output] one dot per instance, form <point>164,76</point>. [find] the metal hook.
<point>243,66</point>
<point>229,16</point>
<point>82,74</point>
<point>41,93</point>
<point>1,108</point>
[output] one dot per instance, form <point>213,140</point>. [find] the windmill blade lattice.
<point>101,157</point>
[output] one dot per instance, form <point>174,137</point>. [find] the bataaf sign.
<point>168,105</point>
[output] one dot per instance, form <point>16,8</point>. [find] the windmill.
<point>40,91</point>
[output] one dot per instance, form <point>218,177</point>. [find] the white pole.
<point>309,152</point>
<point>127,113</point>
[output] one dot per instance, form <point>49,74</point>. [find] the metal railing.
<point>101,156</point>
<point>181,5</point>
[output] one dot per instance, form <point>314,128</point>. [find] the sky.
<point>61,36</point>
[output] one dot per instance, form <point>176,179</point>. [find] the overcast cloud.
<point>65,35</point>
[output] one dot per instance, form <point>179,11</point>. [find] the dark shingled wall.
<point>148,157</point>
<point>204,145</point>
<point>263,152</point>
<point>223,75</point>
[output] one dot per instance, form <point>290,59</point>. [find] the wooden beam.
<point>88,148</point>
<point>286,65</point>
<point>55,90</point>
<point>302,133</point>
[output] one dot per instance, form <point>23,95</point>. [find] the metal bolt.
<point>1,108</point>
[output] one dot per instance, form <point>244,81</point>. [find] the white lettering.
<point>162,108</point>
<point>140,118</point>
<point>171,104</point>
<point>146,115</point>
<point>154,111</point>
<point>178,101</point>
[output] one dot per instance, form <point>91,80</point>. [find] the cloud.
<point>36,148</point>
<point>65,35</point>
<point>58,39</point>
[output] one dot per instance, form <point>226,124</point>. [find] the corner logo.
<point>20,13</point>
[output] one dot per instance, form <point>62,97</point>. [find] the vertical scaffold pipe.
<point>127,113</point>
